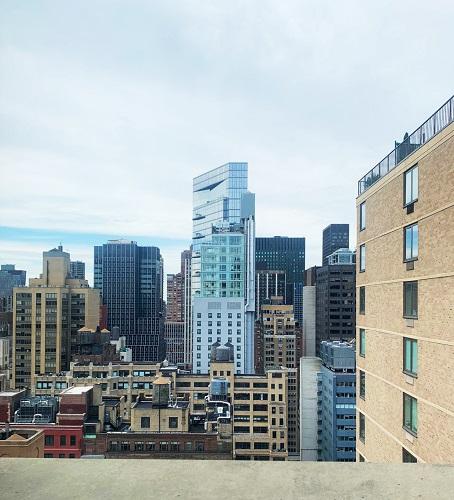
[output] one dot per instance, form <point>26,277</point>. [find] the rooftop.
<point>77,389</point>
<point>429,129</point>
<point>25,478</point>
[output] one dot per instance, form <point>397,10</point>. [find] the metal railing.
<point>431,127</point>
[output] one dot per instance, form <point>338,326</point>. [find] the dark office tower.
<point>131,280</point>
<point>10,277</point>
<point>77,269</point>
<point>285,254</point>
<point>269,284</point>
<point>335,299</point>
<point>335,236</point>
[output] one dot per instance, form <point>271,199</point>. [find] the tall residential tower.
<point>223,266</point>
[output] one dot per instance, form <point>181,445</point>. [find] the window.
<point>362,258</point>
<point>410,356</point>
<point>362,300</point>
<point>362,342</point>
<point>48,440</point>
<point>62,440</point>
<point>362,216</point>
<point>410,420</point>
<point>362,384</point>
<point>408,458</point>
<point>411,299</point>
<point>362,427</point>
<point>173,422</point>
<point>411,186</point>
<point>145,422</point>
<point>72,440</point>
<point>361,458</point>
<point>411,242</point>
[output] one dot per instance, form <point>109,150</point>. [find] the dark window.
<point>48,455</point>
<point>410,356</point>
<point>362,216</point>
<point>71,455</point>
<point>361,458</point>
<point>362,342</point>
<point>61,455</point>
<point>362,258</point>
<point>72,440</point>
<point>411,186</point>
<point>362,300</point>
<point>410,420</point>
<point>362,427</point>
<point>411,299</point>
<point>62,440</point>
<point>145,422</point>
<point>242,446</point>
<point>408,458</point>
<point>48,440</point>
<point>173,422</point>
<point>411,242</point>
<point>261,446</point>
<point>362,384</point>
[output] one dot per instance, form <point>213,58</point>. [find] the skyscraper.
<point>10,277</point>
<point>77,269</point>
<point>131,280</point>
<point>269,284</point>
<point>47,315</point>
<point>335,236</point>
<point>283,253</point>
<point>405,287</point>
<point>223,266</point>
<point>175,299</point>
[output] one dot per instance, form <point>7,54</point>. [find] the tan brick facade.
<point>384,323</point>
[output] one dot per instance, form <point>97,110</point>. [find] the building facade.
<point>46,315</point>
<point>405,289</point>
<point>175,298</point>
<point>335,236</point>
<point>269,284</point>
<point>223,266</point>
<point>174,341</point>
<point>337,403</point>
<point>10,277</point>
<point>130,278</point>
<point>77,269</point>
<point>286,254</point>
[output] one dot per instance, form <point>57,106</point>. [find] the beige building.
<point>47,314</point>
<point>23,443</point>
<point>278,342</point>
<point>258,403</point>
<point>405,300</point>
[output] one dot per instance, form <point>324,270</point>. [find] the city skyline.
<point>99,155</point>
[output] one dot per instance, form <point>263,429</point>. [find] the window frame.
<point>362,384</point>
<point>413,257</point>
<point>362,216</point>
<point>407,172</point>
<point>362,258</point>
<point>362,300</point>
<point>413,427</point>
<point>405,313</point>
<point>407,457</point>
<point>362,427</point>
<point>413,343</point>
<point>362,342</point>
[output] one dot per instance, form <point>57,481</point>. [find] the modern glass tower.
<point>223,266</point>
<point>131,280</point>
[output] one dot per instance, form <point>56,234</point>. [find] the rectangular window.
<point>62,440</point>
<point>362,384</point>
<point>362,300</point>
<point>72,440</point>
<point>362,342</point>
<point>411,299</point>
<point>411,242</point>
<point>48,440</point>
<point>145,422</point>
<point>362,258</point>
<point>410,420</point>
<point>408,458</point>
<point>410,356</point>
<point>362,216</point>
<point>173,422</point>
<point>362,427</point>
<point>411,185</point>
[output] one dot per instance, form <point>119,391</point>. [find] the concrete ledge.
<point>186,479</point>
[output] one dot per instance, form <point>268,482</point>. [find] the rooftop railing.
<point>430,128</point>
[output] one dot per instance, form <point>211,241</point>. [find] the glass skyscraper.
<point>223,265</point>
<point>131,280</point>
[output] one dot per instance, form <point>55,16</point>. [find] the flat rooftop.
<point>77,389</point>
<point>221,479</point>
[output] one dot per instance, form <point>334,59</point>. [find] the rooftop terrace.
<point>112,479</point>
<point>429,129</point>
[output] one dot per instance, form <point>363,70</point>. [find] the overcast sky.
<point>108,109</point>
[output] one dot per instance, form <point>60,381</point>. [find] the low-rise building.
<point>21,443</point>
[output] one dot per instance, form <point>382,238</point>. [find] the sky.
<point>108,109</point>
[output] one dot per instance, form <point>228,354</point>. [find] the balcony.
<point>38,478</point>
<point>429,129</point>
